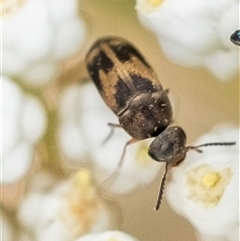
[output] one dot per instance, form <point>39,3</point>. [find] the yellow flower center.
<point>210,179</point>
<point>81,205</point>
<point>142,158</point>
<point>148,6</point>
<point>82,178</point>
<point>206,184</point>
<point>155,3</point>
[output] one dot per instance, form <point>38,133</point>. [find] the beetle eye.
<point>152,154</point>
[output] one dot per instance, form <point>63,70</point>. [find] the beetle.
<point>130,87</point>
<point>235,37</point>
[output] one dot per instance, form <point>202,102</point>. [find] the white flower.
<point>86,115</point>
<point>23,124</point>
<point>38,36</point>
<point>204,188</point>
<point>107,236</point>
<point>71,139</point>
<point>195,33</point>
<point>66,210</point>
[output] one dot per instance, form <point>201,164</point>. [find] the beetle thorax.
<point>147,115</point>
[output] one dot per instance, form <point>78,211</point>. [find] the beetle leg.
<point>115,173</point>
<point>166,91</point>
<point>131,141</point>
<point>112,127</point>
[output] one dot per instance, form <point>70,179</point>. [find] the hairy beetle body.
<point>129,86</point>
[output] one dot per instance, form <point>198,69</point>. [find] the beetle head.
<point>169,146</point>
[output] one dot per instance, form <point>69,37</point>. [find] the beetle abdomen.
<point>119,72</point>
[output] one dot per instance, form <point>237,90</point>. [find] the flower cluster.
<point>66,210</point>
<point>24,123</point>
<point>34,45</point>
<point>195,33</point>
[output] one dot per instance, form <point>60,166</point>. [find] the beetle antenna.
<point>211,144</point>
<point>218,144</point>
<point>160,194</point>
